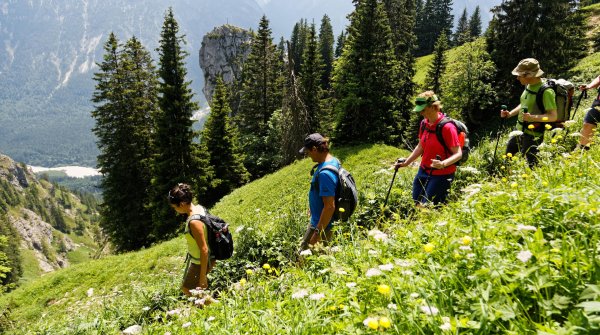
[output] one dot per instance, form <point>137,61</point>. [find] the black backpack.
<point>220,240</point>
<point>462,132</point>
<point>346,194</point>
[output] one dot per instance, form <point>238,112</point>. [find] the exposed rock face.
<point>36,234</point>
<point>15,173</point>
<point>223,53</point>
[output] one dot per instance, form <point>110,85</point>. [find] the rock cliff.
<point>223,53</point>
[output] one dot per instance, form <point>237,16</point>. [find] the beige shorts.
<point>191,276</point>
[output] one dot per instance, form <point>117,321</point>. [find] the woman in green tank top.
<point>197,262</point>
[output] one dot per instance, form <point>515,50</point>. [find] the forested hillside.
<point>43,226</point>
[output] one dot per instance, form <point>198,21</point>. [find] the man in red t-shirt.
<point>437,168</point>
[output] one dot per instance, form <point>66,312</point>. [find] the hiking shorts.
<point>310,230</point>
<point>429,188</point>
<point>593,115</point>
<point>191,276</point>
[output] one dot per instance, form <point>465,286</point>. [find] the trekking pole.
<point>400,160</point>
<point>582,95</point>
<point>439,158</point>
<point>504,107</point>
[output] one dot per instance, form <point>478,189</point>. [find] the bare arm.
<point>416,153</point>
<point>324,219</point>
<point>197,229</point>
<point>508,114</point>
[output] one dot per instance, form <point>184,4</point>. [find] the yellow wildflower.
<point>509,155</point>
<point>559,137</point>
<point>524,175</point>
<point>545,118</point>
<point>342,210</point>
<point>249,272</point>
<point>383,289</point>
<point>428,247</point>
<point>531,126</point>
<point>332,308</point>
<point>553,141</point>
<point>544,183</point>
<point>270,270</point>
<point>514,185</point>
<point>504,180</point>
<point>548,127</point>
<point>243,281</point>
<point>515,158</point>
<point>385,322</point>
<point>466,240</point>
<point>266,266</point>
<point>373,323</point>
<point>555,250</point>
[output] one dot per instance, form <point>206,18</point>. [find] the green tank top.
<point>192,246</point>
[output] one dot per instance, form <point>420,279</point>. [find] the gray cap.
<point>312,140</point>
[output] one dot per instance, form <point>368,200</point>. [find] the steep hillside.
<point>55,227</point>
<point>512,253</point>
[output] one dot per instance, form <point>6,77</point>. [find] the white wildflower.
<point>556,130</point>
<point>90,292</point>
<point>429,310</point>
<point>414,295</point>
<point>257,210</point>
<point>323,271</point>
<point>386,267</point>
<point>524,256</point>
<point>186,325</point>
<point>341,272</point>
<point>471,256</point>
<point>239,229</point>
<point>210,318</point>
<point>335,249</point>
<point>168,333</point>
<point>441,223</point>
<point>146,308</point>
<point>300,294</point>
<point>471,190</point>
<point>403,263</point>
<point>392,306</point>
<point>382,237</point>
<point>133,330</point>
<point>372,272</point>
<point>469,169</point>
<point>542,146</point>
<point>471,277</point>
<point>526,228</point>
<point>174,312</point>
<point>569,123</point>
<point>372,252</point>
<point>306,252</point>
<point>446,326</point>
<point>316,296</point>
<point>465,247</point>
<point>515,133</point>
<point>408,273</point>
<point>351,285</point>
<point>576,134</point>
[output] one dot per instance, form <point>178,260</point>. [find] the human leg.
<point>418,189</point>
<point>514,144</point>
<point>529,148</point>
<point>438,187</point>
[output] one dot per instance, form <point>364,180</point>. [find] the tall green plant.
<point>222,143</point>
<point>125,98</point>
<point>261,96</point>
<point>326,41</point>
<point>310,80</point>
<point>367,79</point>
<point>438,66</point>
<point>174,161</point>
<point>475,23</point>
<point>463,31</point>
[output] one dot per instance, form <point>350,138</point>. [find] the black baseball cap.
<point>312,140</point>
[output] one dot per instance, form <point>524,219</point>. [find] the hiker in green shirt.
<point>531,120</point>
<point>197,260</point>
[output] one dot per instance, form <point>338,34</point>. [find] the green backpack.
<point>564,91</point>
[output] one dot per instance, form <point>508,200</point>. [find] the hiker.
<point>321,197</point>
<point>530,118</point>
<point>197,260</point>
<point>592,117</point>
<point>436,171</point>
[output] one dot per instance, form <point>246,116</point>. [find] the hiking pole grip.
<point>503,107</point>
<point>400,160</point>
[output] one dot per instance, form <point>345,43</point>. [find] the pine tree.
<point>126,97</point>
<point>326,41</point>
<point>11,268</point>
<point>463,32</point>
<point>401,15</point>
<point>310,80</point>
<point>221,139</point>
<point>436,17</point>
<point>366,79</point>
<point>549,30</point>
<point>298,43</point>
<point>339,47</point>
<point>475,24</point>
<point>294,123</point>
<point>175,161</point>
<point>261,96</point>
<point>438,66</point>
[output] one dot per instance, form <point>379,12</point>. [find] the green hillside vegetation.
<point>513,253</point>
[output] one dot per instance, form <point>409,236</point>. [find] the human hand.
<point>203,283</point>
<point>504,113</point>
<point>583,87</point>
<point>437,164</point>
<point>401,162</point>
<point>528,117</point>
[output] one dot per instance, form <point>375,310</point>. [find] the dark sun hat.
<point>312,140</point>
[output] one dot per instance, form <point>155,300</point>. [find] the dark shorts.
<point>310,230</point>
<point>592,116</point>
<point>191,276</point>
<point>433,189</point>
<point>527,145</point>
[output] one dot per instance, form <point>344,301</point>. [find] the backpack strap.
<point>438,132</point>
<point>198,217</point>
<point>326,167</point>
<point>539,96</point>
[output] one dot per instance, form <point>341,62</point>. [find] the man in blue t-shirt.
<point>321,197</point>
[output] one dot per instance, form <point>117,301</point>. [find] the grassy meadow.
<point>516,251</point>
